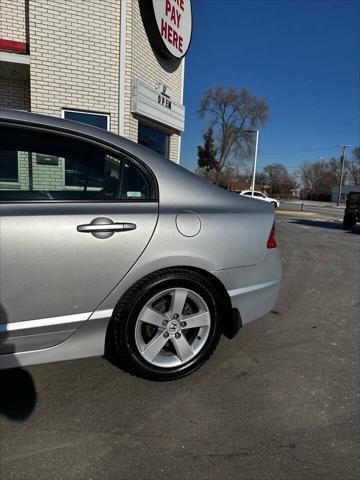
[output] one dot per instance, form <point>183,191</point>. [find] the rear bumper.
<point>253,290</point>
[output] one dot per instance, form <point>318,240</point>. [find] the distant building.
<point>344,191</point>
<point>318,196</point>
<point>237,186</point>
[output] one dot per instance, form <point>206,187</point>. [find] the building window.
<point>9,168</point>
<point>154,139</point>
<point>94,119</point>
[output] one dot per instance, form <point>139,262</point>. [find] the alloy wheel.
<point>173,327</point>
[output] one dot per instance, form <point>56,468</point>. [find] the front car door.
<point>75,217</point>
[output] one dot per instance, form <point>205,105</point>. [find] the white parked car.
<point>261,196</point>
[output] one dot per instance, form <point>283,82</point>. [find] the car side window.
<point>247,193</point>
<point>45,166</point>
<point>134,183</point>
<point>258,194</point>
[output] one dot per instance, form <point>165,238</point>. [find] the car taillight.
<point>348,200</point>
<point>271,243</point>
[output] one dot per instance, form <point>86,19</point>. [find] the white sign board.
<point>154,105</point>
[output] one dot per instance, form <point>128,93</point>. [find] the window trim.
<point>87,112</point>
<point>154,194</point>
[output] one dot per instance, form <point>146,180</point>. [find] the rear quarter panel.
<point>234,230</point>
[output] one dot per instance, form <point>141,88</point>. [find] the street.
<point>278,402</point>
<point>329,210</point>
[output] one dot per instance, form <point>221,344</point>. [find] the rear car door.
<point>75,217</point>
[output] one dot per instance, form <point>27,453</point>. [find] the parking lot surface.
<point>278,402</point>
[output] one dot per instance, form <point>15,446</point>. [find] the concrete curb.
<point>294,213</point>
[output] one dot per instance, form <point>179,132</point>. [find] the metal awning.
<point>14,66</point>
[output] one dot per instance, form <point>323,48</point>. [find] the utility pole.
<point>342,171</point>
<point>254,166</point>
<point>252,187</point>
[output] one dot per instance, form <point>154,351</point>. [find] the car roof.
<point>20,117</point>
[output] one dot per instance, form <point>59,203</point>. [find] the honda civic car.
<point>109,249</point>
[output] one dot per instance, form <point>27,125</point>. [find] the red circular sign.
<point>169,25</point>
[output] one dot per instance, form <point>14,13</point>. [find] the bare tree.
<point>279,180</point>
<point>229,112</point>
<point>305,172</point>
<point>319,177</point>
<point>354,167</point>
<point>246,176</point>
<point>334,167</point>
<point>227,175</point>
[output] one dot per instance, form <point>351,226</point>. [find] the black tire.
<point>349,222</point>
<point>121,344</point>
<point>275,204</point>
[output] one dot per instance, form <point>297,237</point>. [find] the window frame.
<point>107,146</point>
<point>71,110</point>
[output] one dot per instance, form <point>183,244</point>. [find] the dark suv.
<point>352,210</point>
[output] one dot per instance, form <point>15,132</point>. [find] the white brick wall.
<point>74,59</point>
<point>12,19</point>
<point>48,177</point>
<point>74,56</point>
<point>14,94</point>
<point>23,158</point>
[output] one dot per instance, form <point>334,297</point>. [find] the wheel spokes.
<point>165,331</point>
<point>151,316</point>
<point>154,347</point>
<point>183,349</point>
<point>197,320</point>
<point>178,299</point>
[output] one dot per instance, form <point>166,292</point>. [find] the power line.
<point>298,151</point>
<point>300,166</point>
<point>299,175</point>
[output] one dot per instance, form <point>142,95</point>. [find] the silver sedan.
<point>109,249</point>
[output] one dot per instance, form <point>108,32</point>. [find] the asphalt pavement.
<point>278,402</point>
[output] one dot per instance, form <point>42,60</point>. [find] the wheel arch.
<point>230,318</point>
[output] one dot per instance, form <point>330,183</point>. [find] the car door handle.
<point>103,227</point>
<point>111,227</point>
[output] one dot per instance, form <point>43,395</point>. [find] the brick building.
<point>116,64</point>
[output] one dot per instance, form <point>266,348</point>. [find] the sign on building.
<point>155,105</point>
<point>168,24</point>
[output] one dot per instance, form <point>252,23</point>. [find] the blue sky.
<point>302,56</point>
